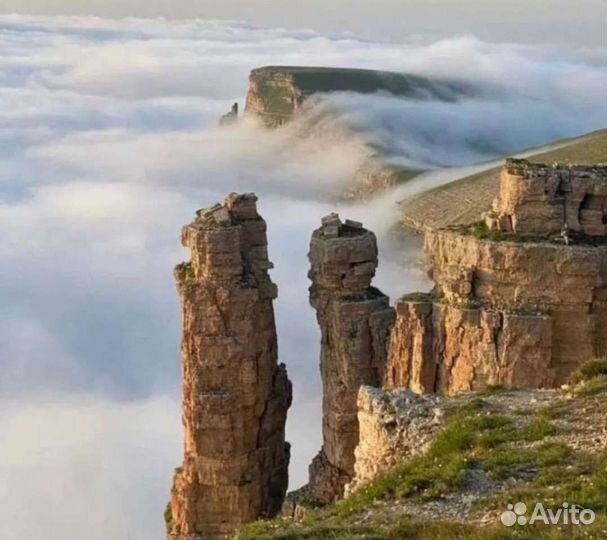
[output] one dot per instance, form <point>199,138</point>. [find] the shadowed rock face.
<point>355,321</point>
<point>235,395</point>
<point>276,92</point>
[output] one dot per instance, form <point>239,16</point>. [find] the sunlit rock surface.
<point>519,301</point>
<point>235,395</point>
<point>355,321</point>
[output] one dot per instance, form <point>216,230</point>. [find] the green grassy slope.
<point>530,453</point>
<point>462,202</point>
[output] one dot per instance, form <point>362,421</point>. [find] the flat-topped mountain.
<point>276,92</point>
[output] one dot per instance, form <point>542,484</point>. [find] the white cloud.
<point>109,143</point>
<point>563,22</point>
<point>80,467</point>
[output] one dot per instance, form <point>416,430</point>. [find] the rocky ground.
<point>494,448</point>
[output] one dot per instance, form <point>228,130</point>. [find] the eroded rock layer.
<point>516,314</point>
<point>355,321</point>
<point>235,395</point>
<point>395,426</point>
<point>535,198</point>
<point>511,309</point>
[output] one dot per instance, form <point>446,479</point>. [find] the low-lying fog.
<point>108,145</point>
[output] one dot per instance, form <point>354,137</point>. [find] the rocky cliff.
<point>507,309</point>
<point>235,395</point>
<point>436,468</point>
<point>276,92</point>
<point>514,305</point>
<point>394,426</point>
<point>464,201</point>
<point>536,198</point>
<point>354,320</point>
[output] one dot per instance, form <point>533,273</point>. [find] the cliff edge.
<point>277,92</point>
<point>235,394</point>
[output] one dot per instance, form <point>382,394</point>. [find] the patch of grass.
<point>589,150</point>
<point>517,461</point>
<point>498,430</point>
<point>590,370</point>
<point>273,530</point>
<point>476,436</point>
<point>184,272</point>
<point>472,437</point>
<point>554,410</point>
<point>538,429</point>
<point>482,232</point>
<point>582,481</point>
<point>411,529</point>
<point>168,518</point>
<point>431,476</point>
<point>475,405</point>
<point>592,387</point>
<point>593,494</point>
<point>495,389</point>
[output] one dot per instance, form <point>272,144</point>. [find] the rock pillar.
<point>235,395</point>
<point>355,321</point>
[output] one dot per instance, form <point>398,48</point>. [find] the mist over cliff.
<point>109,143</point>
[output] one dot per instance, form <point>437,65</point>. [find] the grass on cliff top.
<point>473,438</point>
<point>462,201</point>
<point>590,149</point>
<point>482,232</point>
<point>313,80</point>
<point>518,447</point>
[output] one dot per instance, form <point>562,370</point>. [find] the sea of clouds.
<point>109,143</point>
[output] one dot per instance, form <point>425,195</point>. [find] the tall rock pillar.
<point>235,395</point>
<point>355,321</point>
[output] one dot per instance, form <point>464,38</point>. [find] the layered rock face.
<point>541,199</point>
<point>516,313</point>
<point>355,321</point>
<point>273,96</point>
<point>276,92</point>
<point>394,426</point>
<point>235,395</point>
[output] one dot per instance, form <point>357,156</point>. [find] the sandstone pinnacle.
<point>235,395</point>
